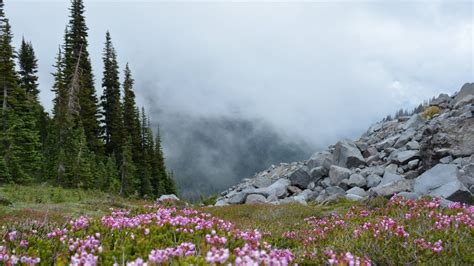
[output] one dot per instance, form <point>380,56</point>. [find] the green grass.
<point>57,205</point>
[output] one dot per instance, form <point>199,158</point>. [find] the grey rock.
<point>337,174</point>
<point>344,184</point>
<point>169,197</point>
<point>391,168</point>
<point>262,181</point>
<point>466,90</point>
<point>237,198</point>
<point>408,195</point>
<point>446,159</point>
<point>300,177</point>
<point>306,195</point>
<point>392,188</point>
<point>435,177</point>
<point>413,164</point>
<point>454,191</point>
<point>373,180</point>
<point>221,202</point>
<point>414,122</point>
<point>324,159</point>
<point>357,191</point>
<point>278,189</point>
<point>389,178</point>
<point>386,143</point>
<point>353,197</point>
<point>326,182</point>
<point>294,189</point>
<point>312,185</point>
<point>319,172</point>
<point>330,194</point>
<point>405,138</point>
<point>413,145</point>
<point>255,199</point>
<point>346,154</point>
<point>402,157</point>
<point>357,180</point>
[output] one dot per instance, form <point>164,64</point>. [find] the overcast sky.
<point>317,70</point>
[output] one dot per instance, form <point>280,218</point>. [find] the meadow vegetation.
<point>51,225</point>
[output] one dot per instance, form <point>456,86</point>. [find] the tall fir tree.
<point>110,101</point>
<point>75,43</point>
<point>28,65</point>
<point>159,173</point>
<point>131,120</point>
<point>128,181</point>
<point>20,137</point>
<point>144,167</point>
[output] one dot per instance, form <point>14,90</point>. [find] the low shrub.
<point>430,112</point>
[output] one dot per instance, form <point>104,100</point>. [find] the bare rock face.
<point>410,156</point>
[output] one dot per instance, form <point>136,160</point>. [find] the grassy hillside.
<point>49,225</point>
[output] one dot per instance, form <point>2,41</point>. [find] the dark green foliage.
<point>19,134</point>
<point>68,149</point>
<point>28,68</point>
<point>112,109</point>
<point>128,181</point>
<point>75,50</point>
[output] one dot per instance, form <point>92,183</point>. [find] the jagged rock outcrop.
<point>408,156</point>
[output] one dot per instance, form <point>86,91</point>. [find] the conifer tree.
<point>29,82</point>
<point>20,137</point>
<point>75,43</point>
<point>28,68</point>
<point>144,168</point>
<point>111,105</point>
<point>128,181</point>
<point>159,173</point>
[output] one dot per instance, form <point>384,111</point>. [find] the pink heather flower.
<point>437,247</point>
<point>11,236</point>
<point>24,243</point>
<point>217,255</point>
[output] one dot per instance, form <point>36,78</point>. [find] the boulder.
<point>404,138</point>
<point>319,172</point>
<point>236,198</point>
<point>221,202</point>
<point>373,180</point>
<point>255,199</point>
<point>337,174</point>
<point>277,189</point>
<point>300,177</point>
<point>357,191</point>
<point>402,157</point>
<point>326,182</point>
<point>435,177</point>
<point>353,197</point>
<point>414,121</point>
<point>262,181</point>
<point>389,178</point>
<point>413,164</point>
<point>466,90</point>
<point>306,195</point>
<point>413,145</point>
<point>391,168</point>
<point>446,159</point>
<point>169,197</point>
<point>442,181</point>
<point>330,194</point>
<point>346,154</point>
<point>357,180</point>
<point>453,191</point>
<point>294,189</point>
<point>323,159</point>
<point>386,143</point>
<point>408,195</point>
<point>392,188</point>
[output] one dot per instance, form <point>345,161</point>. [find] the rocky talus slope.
<point>424,154</point>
